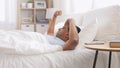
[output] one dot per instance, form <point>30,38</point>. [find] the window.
<point>8,11</point>
<point>2,11</point>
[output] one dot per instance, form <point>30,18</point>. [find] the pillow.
<point>88,31</point>
<point>108,24</point>
<point>107,31</point>
<point>57,26</point>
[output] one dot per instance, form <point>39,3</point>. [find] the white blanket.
<point>27,43</point>
<point>78,58</point>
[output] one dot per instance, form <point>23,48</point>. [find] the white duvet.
<point>79,58</point>
<point>27,43</point>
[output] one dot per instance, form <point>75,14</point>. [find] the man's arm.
<point>73,36</point>
<point>52,23</point>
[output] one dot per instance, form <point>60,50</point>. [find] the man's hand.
<point>57,13</point>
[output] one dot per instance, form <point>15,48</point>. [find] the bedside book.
<point>95,43</point>
<point>115,43</point>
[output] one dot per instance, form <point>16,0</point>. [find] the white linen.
<point>108,23</point>
<point>88,31</point>
<point>79,58</point>
<point>27,43</point>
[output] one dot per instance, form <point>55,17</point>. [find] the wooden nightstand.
<point>104,47</point>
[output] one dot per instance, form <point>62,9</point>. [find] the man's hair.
<point>78,29</point>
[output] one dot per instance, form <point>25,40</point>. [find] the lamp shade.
<point>50,12</point>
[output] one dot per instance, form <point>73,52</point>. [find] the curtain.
<point>2,11</point>
<point>8,14</point>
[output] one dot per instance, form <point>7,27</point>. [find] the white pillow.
<point>107,30</point>
<point>88,31</point>
<point>108,24</point>
<point>57,26</point>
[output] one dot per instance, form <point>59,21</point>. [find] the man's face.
<point>63,32</point>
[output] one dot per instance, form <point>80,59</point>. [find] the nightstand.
<point>104,47</point>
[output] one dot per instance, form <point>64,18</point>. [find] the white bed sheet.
<point>79,58</point>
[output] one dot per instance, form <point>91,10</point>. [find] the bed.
<point>78,58</point>
<point>28,55</point>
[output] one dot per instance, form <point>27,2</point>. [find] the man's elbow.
<point>76,41</point>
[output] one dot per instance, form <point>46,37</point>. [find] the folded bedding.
<point>27,43</point>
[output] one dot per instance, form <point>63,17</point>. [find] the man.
<point>68,34</point>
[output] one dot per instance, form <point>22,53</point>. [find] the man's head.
<point>63,33</point>
<point>78,29</point>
